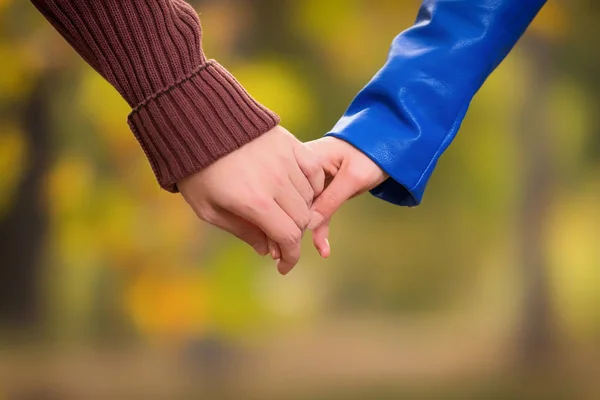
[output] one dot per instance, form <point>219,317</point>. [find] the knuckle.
<point>259,203</point>
<point>303,222</point>
<point>292,238</point>
<point>253,204</point>
<point>329,201</point>
<point>310,162</point>
<point>314,168</point>
<point>279,179</point>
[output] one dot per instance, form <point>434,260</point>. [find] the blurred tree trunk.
<point>272,31</point>
<point>579,60</point>
<point>537,335</point>
<point>23,228</point>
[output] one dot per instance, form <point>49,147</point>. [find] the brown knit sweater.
<point>187,111</point>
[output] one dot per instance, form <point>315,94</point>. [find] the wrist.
<point>189,125</point>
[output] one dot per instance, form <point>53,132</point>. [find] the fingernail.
<point>276,252</point>
<point>316,219</point>
<point>325,251</point>
<point>271,250</point>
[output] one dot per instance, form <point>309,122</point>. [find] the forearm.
<point>187,111</point>
<point>410,112</point>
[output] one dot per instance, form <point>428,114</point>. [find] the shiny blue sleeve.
<point>409,113</point>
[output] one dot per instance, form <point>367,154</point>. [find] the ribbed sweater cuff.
<point>188,125</point>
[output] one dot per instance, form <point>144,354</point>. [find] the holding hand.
<point>262,190</point>
<point>350,173</point>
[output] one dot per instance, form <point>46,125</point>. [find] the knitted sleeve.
<point>187,111</point>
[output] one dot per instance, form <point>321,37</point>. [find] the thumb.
<point>339,191</point>
<point>320,239</point>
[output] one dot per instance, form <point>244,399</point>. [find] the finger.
<point>341,189</point>
<point>293,204</point>
<point>328,155</point>
<point>285,267</point>
<point>242,229</point>
<point>291,201</point>
<point>302,185</point>
<point>321,239</point>
<point>287,242</point>
<point>270,217</point>
<point>311,166</point>
<point>274,249</point>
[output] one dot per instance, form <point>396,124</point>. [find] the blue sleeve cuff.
<point>399,149</point>
<point>411,110</point>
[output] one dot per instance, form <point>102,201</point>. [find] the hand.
<point>350,173</point>
<point>262,190</point>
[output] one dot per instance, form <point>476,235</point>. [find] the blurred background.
<point>112,288</point>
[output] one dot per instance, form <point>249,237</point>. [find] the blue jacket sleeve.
<point>408,114</point>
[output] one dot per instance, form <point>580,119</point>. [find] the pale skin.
<point>262,190</point>
<point>349,174</point>
<point>276,190</point>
